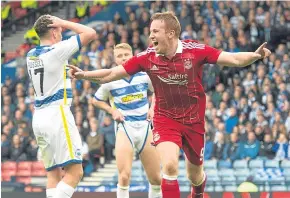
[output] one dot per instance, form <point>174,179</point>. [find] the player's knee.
<point>195,175</point>
<point>124,178</point>
<point>155,181</point>
<point>171,168</point>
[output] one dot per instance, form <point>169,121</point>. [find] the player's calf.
<point>169,152</point>
<point>53,178</point>
<point>66,187</point>
<point>196,175</point>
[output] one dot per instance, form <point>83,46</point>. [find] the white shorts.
<point>57,136</point>
<point>136,131</point>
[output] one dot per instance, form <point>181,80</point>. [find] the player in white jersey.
<point>129,108</point>
<point>53,123</point>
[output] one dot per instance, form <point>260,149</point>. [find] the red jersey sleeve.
<point>133,65</point>
<point>211,54</point>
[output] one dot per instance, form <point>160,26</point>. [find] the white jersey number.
<point>36,76</point>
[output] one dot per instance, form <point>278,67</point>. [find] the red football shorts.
<point>190,138</point>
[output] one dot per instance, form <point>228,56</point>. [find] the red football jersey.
<point>177,82</point>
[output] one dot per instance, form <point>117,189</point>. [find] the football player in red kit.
<point>175,68</point>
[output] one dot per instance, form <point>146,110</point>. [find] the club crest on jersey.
<point>140,87</point>
<point>156,137</point>
<point>187,63</point>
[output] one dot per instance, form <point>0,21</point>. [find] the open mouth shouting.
<point>155,44</point>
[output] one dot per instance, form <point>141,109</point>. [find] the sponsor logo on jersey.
<point>132,97</point>
<point>175,79</point>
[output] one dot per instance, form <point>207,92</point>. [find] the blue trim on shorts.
<point>98,99</point>
<point>145,139</point>
<point>74,161</point>
<point>127,135</point>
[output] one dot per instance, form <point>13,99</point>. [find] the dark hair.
<point>41,25</point>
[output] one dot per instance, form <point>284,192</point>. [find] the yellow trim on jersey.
<point>67,135</point>
<point>64,86</point>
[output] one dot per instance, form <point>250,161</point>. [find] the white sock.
<point>64,190</point>
<point>122,191</point>
<point>154,191</point>
<point>50,192</point>
<point>167,177</point>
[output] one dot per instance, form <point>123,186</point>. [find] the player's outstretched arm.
<point>86,33</point>
<point>242,59</point>
<point>100,76</point>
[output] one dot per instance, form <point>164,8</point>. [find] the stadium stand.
<point>248,110</point>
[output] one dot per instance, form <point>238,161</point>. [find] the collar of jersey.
<point>129,81</point>
<point>178,50</point>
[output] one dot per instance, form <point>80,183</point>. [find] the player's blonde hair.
<point>123,46</point>
<point>170,20</point>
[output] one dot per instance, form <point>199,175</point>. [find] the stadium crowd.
<point>248,110</point>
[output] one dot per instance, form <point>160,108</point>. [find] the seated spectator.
<point>4,147</point>
<point>250,149</point>
<point>259,133</point>
<point>232,149</point>
<point>208,148</point>
<point>95,142</point>
<point>219,147</point>
<point>232,121</point>
<point>17,150</point>
<point>266,148</point>
<point>108,131</point>
<point>281,147</point>
<point>32,150</point>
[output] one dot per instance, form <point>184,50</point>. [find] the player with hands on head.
<point>53,124</point>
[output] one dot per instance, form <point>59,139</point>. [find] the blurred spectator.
<point>82,10</point>
<point>232,149</point>
<point>266,148</point>
<point>232,121</point>
<point>219,147</point>
<point>31,37</point>
<point>32,150</point>
<point>95,142</point>
<point>108,131</point>
<point>250,149</point>
<point>208,148</point>
<point>30,5</point>
<point>17,150</point>
<point>281,147</point>
<point>6,12</point>
<point>4,147</point>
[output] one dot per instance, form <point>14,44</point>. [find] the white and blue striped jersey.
<point>128,96</point>
<point>47,68</point>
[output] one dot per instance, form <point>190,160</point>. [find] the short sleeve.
<point>211,54</point>
<point>133,65</point>
<point>102,93</point>
<point>65,49</point>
